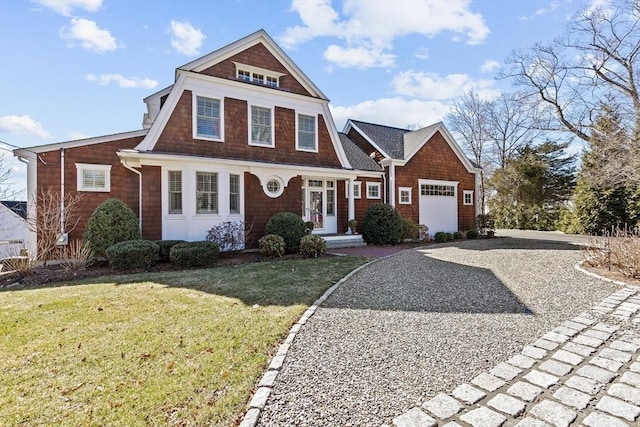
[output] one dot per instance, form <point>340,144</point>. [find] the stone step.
<point>344,241</point>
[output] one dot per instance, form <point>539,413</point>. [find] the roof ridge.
<point>377,124</point>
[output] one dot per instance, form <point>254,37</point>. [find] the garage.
<point>438,205</point>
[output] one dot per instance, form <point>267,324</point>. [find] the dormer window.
<point>257,75</point>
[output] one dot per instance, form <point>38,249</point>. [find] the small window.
<point>206,193</point>
<point>331,198</point>
<point>307,133</point>
<point>234,194</point>
<point>208,118</point>
<point>468,197</point>
<point>258,78</point>
<point>94,177</point>
<point>274,187</point>
<point>261,126</point>
<point>437,190</point>
<point>272,81</point>
<point>405,195</point>
<point>373,190</point>
<point>175,192</point>
<point>357,185</point>
<point>244,75</point>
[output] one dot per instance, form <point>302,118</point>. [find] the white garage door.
<point>439,205</point>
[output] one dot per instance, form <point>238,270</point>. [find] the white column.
<point>352,203</point>
<point>392,184</point>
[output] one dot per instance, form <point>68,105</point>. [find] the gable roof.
<point>19,208</point>
<point>402,144</point>
<point>244,43</point>
<point>357,158</point>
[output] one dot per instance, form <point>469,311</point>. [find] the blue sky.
<point>80,68</point>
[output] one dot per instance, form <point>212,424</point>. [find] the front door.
<point>319,205</point>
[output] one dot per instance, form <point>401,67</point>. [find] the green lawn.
<point>178,348</point>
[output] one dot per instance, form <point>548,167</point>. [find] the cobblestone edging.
<point>259,400</point>
<point>584,372</point>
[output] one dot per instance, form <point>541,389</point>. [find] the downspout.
<point>137,172</point>
<point>384,181</point>
<point>62,195</point>
<point>392,184</point>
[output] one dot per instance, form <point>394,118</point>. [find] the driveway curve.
<point>420,322</point>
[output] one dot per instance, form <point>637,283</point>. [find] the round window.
<point>273,186</point>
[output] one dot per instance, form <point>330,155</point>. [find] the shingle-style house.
<point>243,134</point>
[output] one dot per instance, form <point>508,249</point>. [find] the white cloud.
<point>121,81</point>
<point>489,66</point>
<point>23,125</point>
<point>357,57</point>
<point>89,35</point>
<point>396,112</point>
<point>432,86</point>
<point>542,11</point>
<point>422,53</point>
<point>186,39</point>
<point>374,25</point>
<point>65,7</point>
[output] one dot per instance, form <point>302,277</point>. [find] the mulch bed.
<point>56,273</point>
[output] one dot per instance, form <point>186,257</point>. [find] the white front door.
<point>439,205</point>
<point>319,205</point>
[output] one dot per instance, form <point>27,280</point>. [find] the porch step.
<point>344,241</point>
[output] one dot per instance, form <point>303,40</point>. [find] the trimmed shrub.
<point>194,254</point>
<point>457,235</point>
<point>290,227</point>
<point>472,234</point>
<point>165,247</point>
<point>382,225</point>
<point>309,226</point>
<point>229,235</point>
<point>410,230</point>
<point>132,254</point>
<point>110,223</point>
<point>313,246</point>
<point>440,237</point>
<point>271,245</point>
<point>449,237</point>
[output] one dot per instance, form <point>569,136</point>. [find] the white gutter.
<point>137,172</point>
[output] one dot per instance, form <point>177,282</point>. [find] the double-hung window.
<point>373,190</point>
<point>307,133</point>
<point>208,118</point>
<point>261,126</point>
<point>405,195</point>
<point>175,192</point>
<point>206,193</point>
<point>234,194</point>
<point>93,177</point>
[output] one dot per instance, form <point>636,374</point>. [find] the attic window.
<point>257,75</point>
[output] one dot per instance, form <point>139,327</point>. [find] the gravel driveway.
<point>421,322</point>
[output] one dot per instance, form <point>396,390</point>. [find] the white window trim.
<point>400,190</point>
<point>169,193</point>
<point>257,70</point>
<point>276,194</point>
<point>357,184</point>
<point>371,185</point>
<point>273,127</point>
<point>194,114</point>
<point>464,196</point>
<point>240,193</point>
<point>81,167</point>
<point>315,142</point>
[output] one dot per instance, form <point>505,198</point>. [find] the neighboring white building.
<point>13,228</point>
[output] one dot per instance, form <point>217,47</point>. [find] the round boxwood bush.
<point>382,225</point>
<point>194,254</point>
<point>110,223</point>
<point>457,235</point>
<point>165,248</point>
<point>271,245</point>
<point>290,227</point>
<point>313,246</point>
<point>449,237</point>
<point>440,237</point>
<point>132,254</point>
<point>472,234</point>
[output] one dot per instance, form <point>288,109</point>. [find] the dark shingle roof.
<point>389,139</point>
<point>359,159</point>
<point>20,208</point>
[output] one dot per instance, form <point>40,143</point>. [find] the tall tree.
<point>599,56</point>
<point>469,118</point>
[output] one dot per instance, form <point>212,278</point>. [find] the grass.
<point>174,348</point>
